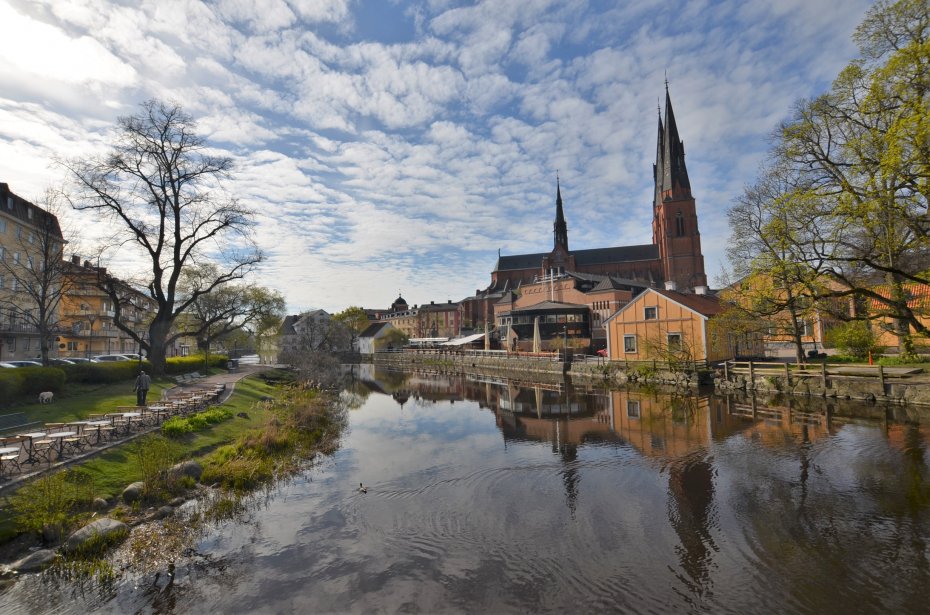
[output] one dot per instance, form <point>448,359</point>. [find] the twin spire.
<point>669,171</point>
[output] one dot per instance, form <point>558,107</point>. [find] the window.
<point>632,408</point>
<point>32,237</point>
<point>14,285</point>
<point>29,212</point>
<point>629,343</point>
<point>26,343</point>
<point>651,313</point>
<point>72,346</point>
<point>16,257</point>
<point>9,202</point>
<point>30,262</point>
<point>674,341</point>
<point>2,225</point>
<point>679,225</point>
<point>1,281</point>
<point>10,344</point>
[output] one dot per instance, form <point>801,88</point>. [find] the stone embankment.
<point>548,369</point>
<point>916,391</point>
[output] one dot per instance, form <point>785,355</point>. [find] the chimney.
<point>86,264</point>
<point>75,259</point>
<point>700,290</point>
<point>432,303</point>
<point>671,285</point>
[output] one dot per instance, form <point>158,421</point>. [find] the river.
<point>486,496</point>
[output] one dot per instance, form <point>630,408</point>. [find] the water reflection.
<point>488,495</point>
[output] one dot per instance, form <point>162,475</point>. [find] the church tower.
<point>559,229</point>
<point>674,220</point>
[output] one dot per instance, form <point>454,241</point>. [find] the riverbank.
<point>264,431</point>
<point>845,382</point>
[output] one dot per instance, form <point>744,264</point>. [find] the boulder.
<point>133,492</point>
<point>35,562</point>
<point>186,468</point>
<point>100,504</point>
<point>102,531</point>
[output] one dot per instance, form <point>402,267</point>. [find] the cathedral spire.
<point>560,229</point>
<point>674,174</point>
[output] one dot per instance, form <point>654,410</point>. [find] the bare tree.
<point>33,269</point>
<point>227,308</point>
<point>162,189</point>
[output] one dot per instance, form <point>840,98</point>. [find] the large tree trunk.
<point>158,335</point>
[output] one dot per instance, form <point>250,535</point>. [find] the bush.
<point>38,379</point>
<point>44,503</point>
<point>104,373</point>
<point>11,383</point>
<point>175,427</point>
<point>193,363</point>
<point>854,338</point>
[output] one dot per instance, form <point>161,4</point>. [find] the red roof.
<point>707,305</point>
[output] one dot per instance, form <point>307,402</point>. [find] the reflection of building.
<point>674,254</point>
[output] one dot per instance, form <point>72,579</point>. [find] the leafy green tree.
<point>855,339</point>
<point>863,147</point>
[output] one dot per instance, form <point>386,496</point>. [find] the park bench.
<point>16,422</point>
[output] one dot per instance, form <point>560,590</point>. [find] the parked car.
<point>81,360</point>
<point>102,358</point>
<point>131,356</point>
<point>24,363</point>
<point>5,364</point>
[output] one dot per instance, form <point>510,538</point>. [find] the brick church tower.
<point>674,220</point>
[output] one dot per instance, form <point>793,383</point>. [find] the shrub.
<point>854,338</point>
<point>38,379</point>
<point>155,457</point>
<point>104,373</point>
<point>193,363</point>
<point>11,383</point>
<point>44,503</point>
<point>175,427</point>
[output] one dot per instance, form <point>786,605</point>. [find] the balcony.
<point>17,328</point>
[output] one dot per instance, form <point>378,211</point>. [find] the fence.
<point>824,371</point>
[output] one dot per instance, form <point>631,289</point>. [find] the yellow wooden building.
<point>662,324</point>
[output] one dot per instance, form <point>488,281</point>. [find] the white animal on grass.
<point>46,397</point>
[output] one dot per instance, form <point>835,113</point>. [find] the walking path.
<point>228,379</point>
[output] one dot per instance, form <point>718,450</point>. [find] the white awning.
<point>464,340</point>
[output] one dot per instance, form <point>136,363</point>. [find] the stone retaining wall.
<point>840,387</point>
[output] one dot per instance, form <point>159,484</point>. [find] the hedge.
<point>39,379</point>
<point>193,363</point>
<point>104,372</point>
<point>11,383</point>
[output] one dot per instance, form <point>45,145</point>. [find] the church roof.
<point>596,256</point>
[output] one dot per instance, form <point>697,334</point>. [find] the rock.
<point>35,561</point>
<point>133,492</point>
<point>100,504</point>
<point>243,415</point>
<point>164,511</point>
<point>178,501</point>
<point>103,530</point>
<point>186,468</point>
<point>51,533</point>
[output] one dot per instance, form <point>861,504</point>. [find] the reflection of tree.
<point>570,477</point>
<point>690,510</point>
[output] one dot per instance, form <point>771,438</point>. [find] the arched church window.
<point>679,225</point>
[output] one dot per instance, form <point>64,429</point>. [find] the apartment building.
<point>31,245</point>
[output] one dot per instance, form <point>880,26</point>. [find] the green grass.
<point>79,400</point>
<point>110,472</point>
<point>118,467</point>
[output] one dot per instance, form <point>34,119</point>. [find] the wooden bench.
<point>16,422</point>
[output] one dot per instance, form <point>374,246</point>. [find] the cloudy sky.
<point>392,145</point>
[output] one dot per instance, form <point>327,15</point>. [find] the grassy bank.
<point>266,430</point>
<point>68,495</point>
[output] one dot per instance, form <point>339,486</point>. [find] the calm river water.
<point>490,497</point>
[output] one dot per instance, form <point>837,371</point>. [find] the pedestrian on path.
<point>143,382</point>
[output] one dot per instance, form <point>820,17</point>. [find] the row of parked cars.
<point>103,358</point>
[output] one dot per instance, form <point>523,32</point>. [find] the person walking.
<point>143,382</point>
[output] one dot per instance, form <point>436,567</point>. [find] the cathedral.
<point>673,259</point>
<point>674,254</point>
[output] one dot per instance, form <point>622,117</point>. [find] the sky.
<point>392,146</point>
